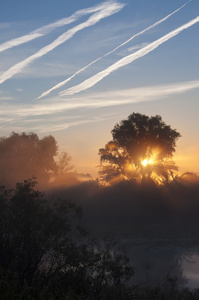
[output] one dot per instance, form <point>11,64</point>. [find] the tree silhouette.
<point>65,174</point>
<point>142,147</point>
<point>44,250</point>
<point>23,155</point>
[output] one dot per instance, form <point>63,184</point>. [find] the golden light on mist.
<point>152,164</point>
<point>146,162</point>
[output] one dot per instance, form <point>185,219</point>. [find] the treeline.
<point>25,155</point>
<point>131,209</point>
<point>45,250</point>
<point>46,254</point>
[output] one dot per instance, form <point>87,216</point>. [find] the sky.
<point>73,69</point>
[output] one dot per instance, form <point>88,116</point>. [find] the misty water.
<point>190,266</point>
<point>156,261</point>
<point>157,226</point>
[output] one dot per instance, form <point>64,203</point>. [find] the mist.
<point>157,225</point>
<point>137,210</point>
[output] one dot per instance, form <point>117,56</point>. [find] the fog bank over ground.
<point>135,210</point>
<point>156,225</point>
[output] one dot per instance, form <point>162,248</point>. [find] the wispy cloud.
<point>132,49</point>
<point>150,27</point>
<point>66,125</point>
<point>36,116</point>
<point>102,99</point>
<point>50,27</point>
<point>4,96</point>
<point>109,9</point>
<point>126,60</point>
<point>110,52</point>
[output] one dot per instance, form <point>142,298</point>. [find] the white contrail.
<point>126,60</point>
<point>50,27</point>
<point>110,9</point>
<point>148,28</point>
<point>94,61</point>
<point>68,79</point>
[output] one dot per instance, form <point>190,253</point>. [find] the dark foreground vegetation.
<point>139,198</point>
<point>131,209</point>
<point>46,254</point>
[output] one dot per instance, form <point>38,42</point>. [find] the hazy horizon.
<point>75,70</point>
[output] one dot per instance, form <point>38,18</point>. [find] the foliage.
<point>65,174</point>
<point>25,155</point>
<point>142,147</point>
<point>30,229</point>
<point>43,251</point>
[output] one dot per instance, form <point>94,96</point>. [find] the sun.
<point>146,162</point>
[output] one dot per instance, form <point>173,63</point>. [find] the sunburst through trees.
<point>142,147</point>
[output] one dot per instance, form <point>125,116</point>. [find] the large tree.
<point>142,147</point>
<point>25,155</point>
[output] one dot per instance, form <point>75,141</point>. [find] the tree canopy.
<point>23,155</point>
<point>142,147</point>
<point>45,253</point>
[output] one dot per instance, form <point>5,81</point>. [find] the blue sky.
<point>67,70</point>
